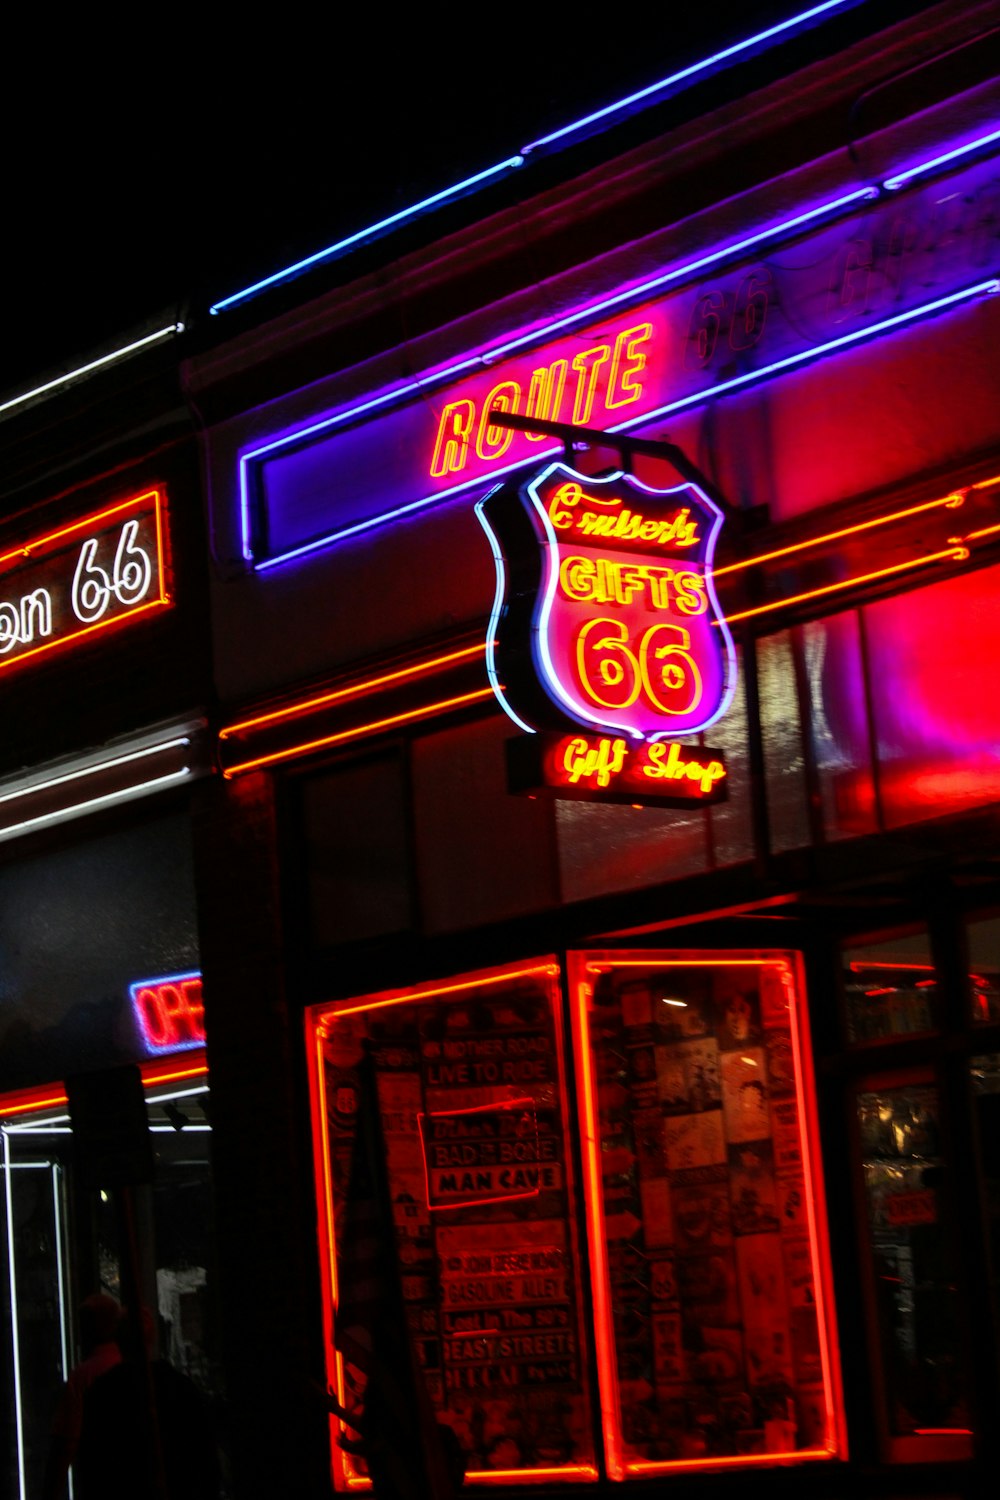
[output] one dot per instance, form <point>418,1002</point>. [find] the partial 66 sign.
<point>71,582</point>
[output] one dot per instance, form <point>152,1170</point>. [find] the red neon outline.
<point>402,997</point>
<point>28,551</point>
<point>361,729</point>
<point>473,1109</point>
<point>619,1467</point>
<point>369,685</point>
<point>317,1022</point>
<point>607,1370</point>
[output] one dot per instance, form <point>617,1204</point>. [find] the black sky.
<point>155,175</point>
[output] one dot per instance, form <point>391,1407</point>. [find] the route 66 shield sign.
<point>606,615</point>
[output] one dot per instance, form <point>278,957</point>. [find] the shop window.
<point>60,1243</point>
<point>890,988</point>
<point>923,1391</point>
<point>482,854</point>
<point>983,936</point>
<point>705,1212</point>
<point>986,1095</point>
<point>357,853</point>
<point>839,729</point>
<point>78,926</point>
<point>781,734</point>
<point>931,658</point>
<point>604,849</point>
<point>478,1202</point>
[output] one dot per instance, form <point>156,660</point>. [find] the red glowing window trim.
<point>619,1464</point>
<point>169,1012</point>
<point>318,1024</point>
<point>115,578</point>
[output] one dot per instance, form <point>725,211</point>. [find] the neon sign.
<point>581,387</point>
<point>85,577</point>
<point>169,1012</point>
<point>605,615</point>
<point>617,770</point>
<point>720,322</point>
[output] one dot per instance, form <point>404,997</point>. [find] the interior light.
<point>682,1004</point>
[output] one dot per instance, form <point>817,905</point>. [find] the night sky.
<point>153,177</point>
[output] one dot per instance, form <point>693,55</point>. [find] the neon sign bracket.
<point>576,438</point>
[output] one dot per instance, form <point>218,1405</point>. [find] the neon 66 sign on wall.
<point>606,622</point>
<point>84,577</point>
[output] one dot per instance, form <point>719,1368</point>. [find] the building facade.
<point>624,790</point>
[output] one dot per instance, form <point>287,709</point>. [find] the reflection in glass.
<point>839,727</point>
<point>916,1296</point>
<point>986,1094</point>
<point>890,988</point>
<point>53,1256</point>
<point>781,733</point>
<point>984,963</point>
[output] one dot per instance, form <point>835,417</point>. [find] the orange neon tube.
<point>954,554</point>
<point>951,501</point>
<point>354,689</point>
<point>359,731</point>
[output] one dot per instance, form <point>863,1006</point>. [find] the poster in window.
<point>711,1278</point>
<point>471,1093</point>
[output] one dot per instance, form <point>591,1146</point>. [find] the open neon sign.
<point>605,615</point>
<point>169,1012</point>
<point>85,577</point>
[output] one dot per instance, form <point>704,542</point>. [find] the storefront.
<point>683,1010</point>
<point>541,732</point>
<point>102,601</point>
